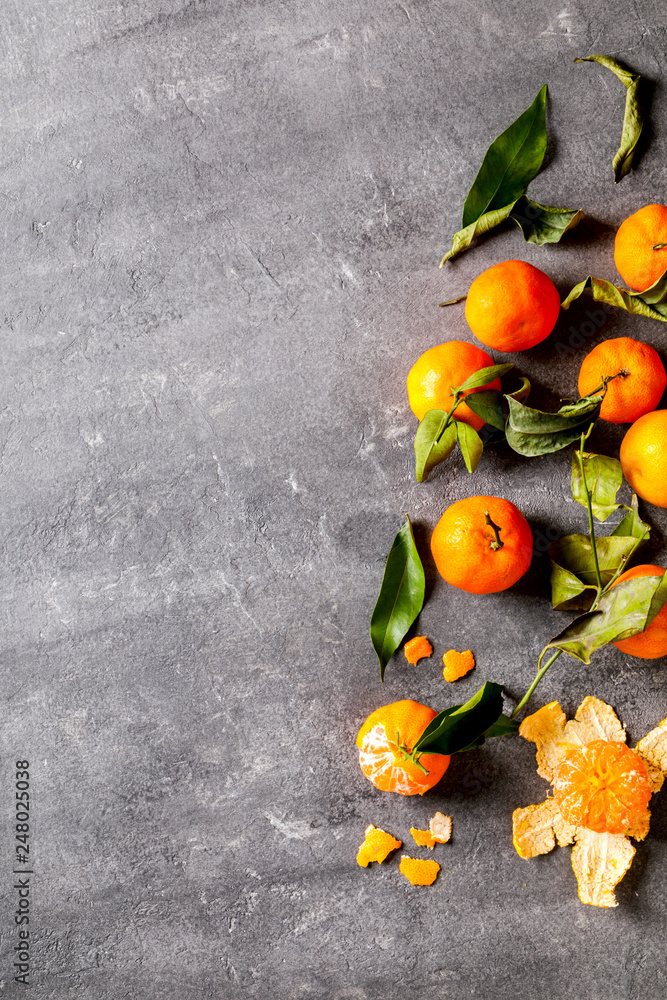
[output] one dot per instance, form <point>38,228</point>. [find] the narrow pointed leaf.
<point>429,451</point>
<point>573,579</point>
<point>460,727</point>
<point>626,609</point>
<point>532,432</point>
<point>510,163</point>
<point>603,478</point>
<point>464,237</point>
<point>488,405</point>
<point>542,224</point>
<point>401,596</point>
<point>483,376</point>
<point>651,303</point>
<point>633,119</point>
<point>470,444</point>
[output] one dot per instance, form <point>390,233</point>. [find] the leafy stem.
<point>589,506</point>
<point>541,671</point>
<point>410,755</point>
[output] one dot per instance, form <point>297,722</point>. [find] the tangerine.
<point>603,786</point>
<point>640,248</point>
<point>512,306</point>
<point>637,378</point>
<point>644,457</point>
<point>385,744</point>
<point>652,642</point>
<point>441,369</point>
<point>482,545</point>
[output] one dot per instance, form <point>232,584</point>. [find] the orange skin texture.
<point>644,457</point>
<point>603,786</point>
<point>419,872</point>
<point>636,261</point>
<point>417,649</point>
<point>380,758</point>
<point>651,643</point>
<point>442,368</point>
<point>457,664</point>
<point>461,545</point>
<point>630,396</point>
<point>512,306</point>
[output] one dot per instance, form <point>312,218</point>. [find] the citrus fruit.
<point>651,643</point>
<point>636,391</point>
<point>385,744</point>
<point>512,306</point>
<point>603,786</point>
<point>441,369</point>
<point>482,545</point>
<point>644,457</point>
<point>639,255</point>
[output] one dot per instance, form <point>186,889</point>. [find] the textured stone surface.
<point>222,223</point>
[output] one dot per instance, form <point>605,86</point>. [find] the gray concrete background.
<point>222,223</point>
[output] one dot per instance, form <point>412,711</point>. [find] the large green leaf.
<point>541,223</point>
<point>532,432</point>
<point>401,596</point>
<point>433,444</point>
<point>651,303</point>
<point>510,163</point>
<point>633,119</point>
<point>626,609</point>
<point>470,444</point>
<point>461,727</point>
<point>488,405</point>
<point>603,478</point>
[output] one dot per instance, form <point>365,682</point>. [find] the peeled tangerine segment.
<point>377,846</point>
<point>600,860</point>
<point>419,872</point>
<point>457,664</point>
<point>417,649</point>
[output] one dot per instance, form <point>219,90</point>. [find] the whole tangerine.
<point>386,742</point>
<point>637,378</point>
<point>644,457</point>
<point>482,545</point>
<point>640,248</point>
<point>512,306</point>
<point>441,369</point>
<point>652,642</point>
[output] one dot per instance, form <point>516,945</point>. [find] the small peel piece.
<point>653,751</point>
<point>417,649</point>
<point>600,860</point>
<point>545,729</point>
<point>537,828</point>
<point>377,846</point>
<point>640,829</point>
<point>457,664</point>
<point>419,872</point>
<point>423,838</point>
<point>594,720</point>
<point>441,828</point>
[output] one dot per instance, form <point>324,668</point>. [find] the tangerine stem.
<point>658,246</point>
<point>538,677</point>
<point>450,414</point>
<point>496,530</point>
<point>623,373</point>
<point>589,506</point>
<point>410,754</point>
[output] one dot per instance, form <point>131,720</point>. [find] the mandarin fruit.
<point>632,393</point>
<point>644,457</point>
<point>385,744</point>
<point>652,642</point>
<point>482,545</point>
<point>441,369</point>
<point>603,785</point>
<point>640,248</point>
<point>512,306</point>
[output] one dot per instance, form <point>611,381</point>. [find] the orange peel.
<point>419,872</point>
<point>457,664</point>
<point>377,846</point>
<point>423,838</point>
<point>441,828</point>
<point>417,649</point>
<point>599,859</point>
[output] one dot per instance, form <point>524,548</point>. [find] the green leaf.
<point>603,476</point>
<point>632,119</point>
<point>488,405</point>
<point>573,579</point>
<point>651,303</point>
<point>429,451</point>
<point>401,596</point>
<point>470,444</point>
<point>464,237</point>
<point>510,163</point>
<point>522,393</point>
<point>532,432</point>
<point>541,223</point>
<point>632,523</point>
<point>463,726</point>
<point>626,609</point>
<point>483,376</point>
